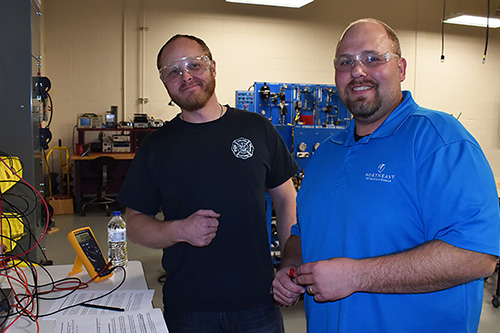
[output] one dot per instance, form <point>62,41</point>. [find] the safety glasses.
<point>370,59</point>
<point>192,65</point>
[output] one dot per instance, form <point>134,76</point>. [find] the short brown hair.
<point>390,32</point>
<point>196,39</point>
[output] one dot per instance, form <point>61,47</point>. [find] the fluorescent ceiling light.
<point>279,3</point>
<point>476,21</point>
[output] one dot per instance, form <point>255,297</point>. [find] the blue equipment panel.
<point>245,100</point>
<point>304,114</point>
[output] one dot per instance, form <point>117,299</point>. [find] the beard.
<point>361,107</point>
<point>194,101</point>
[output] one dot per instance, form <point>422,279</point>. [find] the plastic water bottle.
<point>117,241</point>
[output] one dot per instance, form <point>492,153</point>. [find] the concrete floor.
<point>59,251</point>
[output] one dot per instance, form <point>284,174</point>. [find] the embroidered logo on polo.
<point>379,175</point>
<point>242,148</point>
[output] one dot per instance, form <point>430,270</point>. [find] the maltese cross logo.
<point>242,148</point>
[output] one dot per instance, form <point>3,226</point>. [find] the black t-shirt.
<point>224,165</point>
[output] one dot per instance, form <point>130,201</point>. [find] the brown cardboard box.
<point>61,204</point>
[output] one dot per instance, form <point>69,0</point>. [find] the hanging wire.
<point>23,282</point>
<point>442,31</point>
<point>487,33</point>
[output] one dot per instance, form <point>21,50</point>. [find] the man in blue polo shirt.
<point>398,217</point>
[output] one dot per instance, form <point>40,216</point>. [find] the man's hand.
<point>285,291</point>
<point>200,228</point>
<point>328,280</point>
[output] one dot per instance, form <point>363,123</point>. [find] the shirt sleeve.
<point>459,198</point>
<point>139,190</point>
<point>283,166</point>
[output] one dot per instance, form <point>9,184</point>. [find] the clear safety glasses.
<point>371,59</point>
<point>192,65</point>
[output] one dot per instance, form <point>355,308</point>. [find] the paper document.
<point>129,300</point>
<point>134,322</point>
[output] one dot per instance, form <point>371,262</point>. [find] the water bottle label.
<point>117,236</point>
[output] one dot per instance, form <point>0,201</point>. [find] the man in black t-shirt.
<point>207,170</point>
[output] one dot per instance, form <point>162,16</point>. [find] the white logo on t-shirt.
<point>242,148</point>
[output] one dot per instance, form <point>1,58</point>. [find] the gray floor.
<point>59,251</point>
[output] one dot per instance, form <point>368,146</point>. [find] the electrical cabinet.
<point>21,110</point>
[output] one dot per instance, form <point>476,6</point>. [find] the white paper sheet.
<point>133,322</point>
<point>130,300</point>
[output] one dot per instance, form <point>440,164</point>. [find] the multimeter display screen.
<point>83,237</point>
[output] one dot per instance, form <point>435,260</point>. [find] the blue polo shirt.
<point>420,176</point>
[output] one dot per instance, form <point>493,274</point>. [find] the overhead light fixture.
<point>476,21</point>
<point>278,3</point>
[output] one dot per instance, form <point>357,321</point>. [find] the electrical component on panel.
<point>304,114</point>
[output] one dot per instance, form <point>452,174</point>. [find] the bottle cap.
<point>117,213</point>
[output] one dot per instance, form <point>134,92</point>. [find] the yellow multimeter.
<point>88,254</point>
